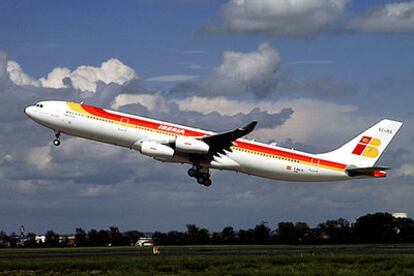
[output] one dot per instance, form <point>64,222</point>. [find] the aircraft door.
<point>314,165</point>
<point>123,124</point>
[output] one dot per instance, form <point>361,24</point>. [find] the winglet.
<point>248,128</point>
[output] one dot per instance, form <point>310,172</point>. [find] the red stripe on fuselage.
<point>96,111</point>
<point>100,112</point>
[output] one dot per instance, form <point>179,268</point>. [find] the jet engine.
<point>156,150</point>
<point>191,145</point>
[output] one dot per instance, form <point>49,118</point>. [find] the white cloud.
<point>7,157</point>
<point>172,78</point>
<point>55,78</point>
<point>39,157</point>
<point>250,68</point>
<point>18,76</point>
<point>256,72</point>
<point>393,17</point>
<point>152,102</point>
<point>113,70</point>
<point>83,78</point>
<point>219,104</point>
<point>286,17</point>
<point>406,169</point>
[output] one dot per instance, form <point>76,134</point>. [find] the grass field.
<point>274,259</point>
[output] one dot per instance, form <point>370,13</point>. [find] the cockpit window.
<point>39,105</point>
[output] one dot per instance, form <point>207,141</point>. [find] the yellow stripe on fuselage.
<point>77,108</point>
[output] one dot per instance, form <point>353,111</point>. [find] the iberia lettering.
<point>172,129</point>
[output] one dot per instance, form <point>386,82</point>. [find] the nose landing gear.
<point>201,174</point>
<point>56,141</point>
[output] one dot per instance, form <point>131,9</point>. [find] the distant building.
<point>145,241</point>
<point>40,239</point>
<point>67,240</point>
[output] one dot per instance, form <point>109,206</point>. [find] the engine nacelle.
<point>191,145</point>
<point>157,150</point>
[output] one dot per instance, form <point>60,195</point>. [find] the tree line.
<point>369,228</point>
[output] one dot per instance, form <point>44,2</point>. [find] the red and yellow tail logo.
<point>368,147</point>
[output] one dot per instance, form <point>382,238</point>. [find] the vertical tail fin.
<point>365,149</point>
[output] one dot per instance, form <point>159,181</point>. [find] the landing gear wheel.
<point>56,142</point>
<point>207,183</point>
<point>192,172</point>
<point>204,180</point>
<point>201,180</point>
<point>200,174</point>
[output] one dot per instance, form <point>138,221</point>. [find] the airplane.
<point>207,150</point>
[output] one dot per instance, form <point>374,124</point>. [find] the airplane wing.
<point>223,141</point>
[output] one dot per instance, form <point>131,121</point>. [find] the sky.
<point>313,73</point>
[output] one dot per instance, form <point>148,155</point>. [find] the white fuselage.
<point>130,131</point>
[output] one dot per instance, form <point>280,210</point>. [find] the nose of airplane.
<point>29,111</point>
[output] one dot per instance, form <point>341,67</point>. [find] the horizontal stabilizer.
<point>368,171</point>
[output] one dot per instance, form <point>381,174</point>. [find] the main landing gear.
<point>201,174</point>
<point>56,141</point>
